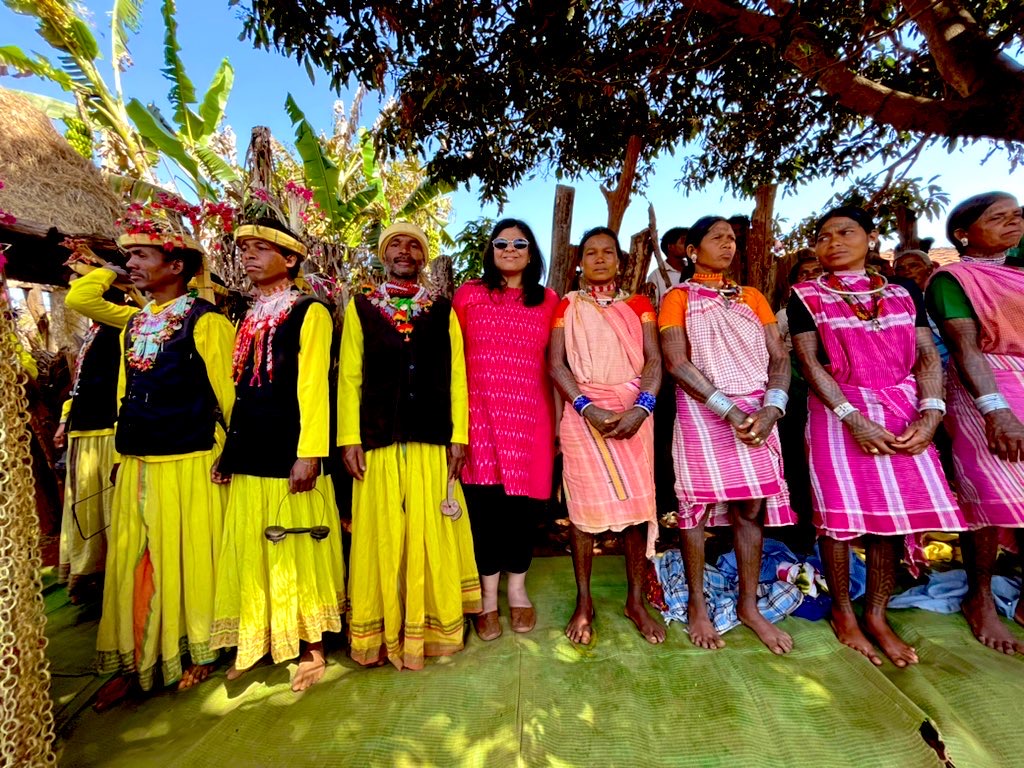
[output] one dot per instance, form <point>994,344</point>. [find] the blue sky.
<point>209,30</point>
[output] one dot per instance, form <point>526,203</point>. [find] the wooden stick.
<point>652,227</point>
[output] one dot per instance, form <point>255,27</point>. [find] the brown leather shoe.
<point>487,626</point>
<point>523,619</point>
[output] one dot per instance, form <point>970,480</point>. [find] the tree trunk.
<point>906,227</point>
<point>761,240</point>
<point>633,271</point>
<point>618,198</point>
<point>562,258</point>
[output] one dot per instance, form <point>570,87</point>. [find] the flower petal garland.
<point>402,304</point>
<point>148,330</point>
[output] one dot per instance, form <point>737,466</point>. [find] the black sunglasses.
<point>277,533</point>
<point>520,243</point>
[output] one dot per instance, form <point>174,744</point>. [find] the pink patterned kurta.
<point>856,492</point>
<point>511,410</point>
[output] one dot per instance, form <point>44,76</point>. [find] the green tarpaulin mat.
<point>538,700</point>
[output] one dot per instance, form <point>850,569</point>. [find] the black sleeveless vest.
<point>406,395</point>
<point>94,397</point>
<point>263,437</point>
<point>170,408</point>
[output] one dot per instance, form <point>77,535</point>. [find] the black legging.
<point>503,528</point>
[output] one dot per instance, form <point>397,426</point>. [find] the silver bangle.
<point>776,398</point>
<point>584,408</point>
<point>843,410</point>
<point>932,404</point>
<point>988,403</point>
<point>719,403</point>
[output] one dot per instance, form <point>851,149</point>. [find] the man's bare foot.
<point>652,631</point>
<point>579,629</point>
<point>194,675</point>
<point>234,672</point>
<point>849,633</point>
<point>312,666</point>
<point>980,612</point>
<point>899,652</point>
<point>114,691</point>
<point>778,642</point>
<point>702,631</point>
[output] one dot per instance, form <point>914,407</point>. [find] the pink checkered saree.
<point>855,492</point>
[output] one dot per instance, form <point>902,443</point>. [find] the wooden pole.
<point>562,254</point>
<point>759,256</point>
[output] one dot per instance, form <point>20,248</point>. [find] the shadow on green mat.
<point>538,700</point>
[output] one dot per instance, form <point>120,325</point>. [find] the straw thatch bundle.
<point>47,183</point>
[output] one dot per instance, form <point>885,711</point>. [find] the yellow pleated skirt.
<point>162,549</point>
<point>88,498</point>
<point>271,596</point>
<point>412,570</point>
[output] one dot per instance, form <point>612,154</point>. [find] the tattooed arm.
<point>675,347</point>
<point>928,372</point>
<point>1004,431</point>
<point>604,421</point>
<point>872,437</point>
<point>650,381</point>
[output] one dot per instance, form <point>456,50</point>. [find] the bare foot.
<point>652,631</point>
<point>892,645</point>
<point>311,667</point>
<point>849,633</point>
<point>778,642</point>
<point>579,629</point>
<point>702,631</point>
<point>234,672</point>
<point>980,612</point>
<point>194,675</point>
<point>113,692</point>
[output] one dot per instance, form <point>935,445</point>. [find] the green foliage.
<point>494,91</point>
<point>468,249</point>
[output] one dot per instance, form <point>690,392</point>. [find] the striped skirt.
<point>991,490</point>
<point>855,492</point>
<point>713,466</point>
<point>609,484</point>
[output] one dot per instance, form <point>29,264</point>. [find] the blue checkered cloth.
<point>775,599</point>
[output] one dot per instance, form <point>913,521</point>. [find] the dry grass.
<point>45,181</point>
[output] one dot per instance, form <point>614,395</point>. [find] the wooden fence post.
<point>562,257</point>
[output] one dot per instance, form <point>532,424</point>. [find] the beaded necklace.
<point>729,289</point>
<point>257,333</point>
<point>605,295</point>
<point>149,330</point>
<point>877,282</point>
<point>401,303</point>
<point>995,261</point>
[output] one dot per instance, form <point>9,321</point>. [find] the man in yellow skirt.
<point>175,391</point>
<point>87,429</point>
<point>281,577</point>
<point>403,426</point>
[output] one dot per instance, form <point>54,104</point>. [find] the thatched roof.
<point>47,183</point>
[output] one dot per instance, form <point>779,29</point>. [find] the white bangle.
<point>843,410</point>
<point>584,408</point>
<point>932,404</point>
<point>776,398</point>
<point>992,402</point>
<point>719,403</point>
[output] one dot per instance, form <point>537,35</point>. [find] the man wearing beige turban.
<point>403,427</point>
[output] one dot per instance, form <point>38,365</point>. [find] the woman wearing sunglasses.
<point>506,318</point>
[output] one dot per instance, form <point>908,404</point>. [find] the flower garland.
<point>401,303</point>
<point>876,285</point>
<point>149,330</point>
<point>260,324</point>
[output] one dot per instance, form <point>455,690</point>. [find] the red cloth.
<point>511,409</point>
